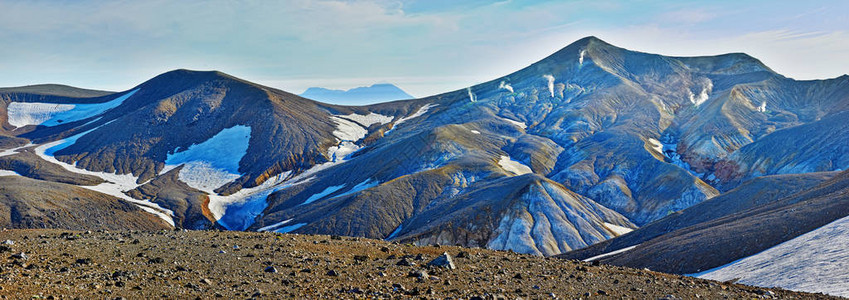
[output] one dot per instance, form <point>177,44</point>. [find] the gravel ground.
<point>241,265</point>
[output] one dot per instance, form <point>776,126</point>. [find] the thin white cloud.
<point>342,44</point>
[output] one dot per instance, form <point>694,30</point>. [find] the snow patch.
<point>813,262</point>
<point>51,114</point>
<point>475,132</point>
<point>611,253</point>
<point>703,95</point>
<point>618,230</point>
<point>550,79</point>
<point>214,162</point>
<point>472,97</point>
<point>513,166</point>
<point>762,108</point>
<point>656,145</point>
<point>505,86</point>
<point>581,57</point>
<point>369,119</point>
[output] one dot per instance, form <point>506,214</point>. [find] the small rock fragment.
<point>443,261</point>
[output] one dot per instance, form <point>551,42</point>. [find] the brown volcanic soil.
<point>209,264</point>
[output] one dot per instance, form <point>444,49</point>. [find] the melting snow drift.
<point>214,162</point>
<point>513,166</point>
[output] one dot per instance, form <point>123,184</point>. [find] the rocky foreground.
<point>231,265</point>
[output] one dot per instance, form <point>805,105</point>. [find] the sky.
<point>425,47</point>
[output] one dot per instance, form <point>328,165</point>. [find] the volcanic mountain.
<point>580,147</point>
<point>381,92</point>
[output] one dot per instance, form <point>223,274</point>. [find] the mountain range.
<point>677,164</point>
<point>376,93</point>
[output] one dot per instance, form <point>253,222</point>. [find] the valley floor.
<point>232,265</point>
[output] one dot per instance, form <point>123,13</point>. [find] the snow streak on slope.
<point>813,262</point>
<point>618,230</point>
<point>611,253</point>
<point>290,228</point>
<point>550,79</point>
<point>369,183</point>
<point>581,57</point>
<point>327,191</point>
<point>214,162</point>
<point>513,166</point>
<point>505,86</point>
<point>517,123</point>
<point>472,97</point>
<point>703,95</point>
<point>8,152</point>
<point>115,185</point>
<point>418,113</point>
<point>275,225</point>
<point>52,114</point>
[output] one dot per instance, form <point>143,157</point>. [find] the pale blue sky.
<point>423,46</point>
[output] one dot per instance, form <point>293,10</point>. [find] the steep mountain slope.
<point>376,93</point>
<point>749,195</point>
<point>721,241</point>
<point>28,203</point>
<point>815,262</point>
<point>579,147</point>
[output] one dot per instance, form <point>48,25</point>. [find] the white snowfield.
<point>513,166</point>
<point>369,119</point>
<point>115,185</point>
<point>51,114</point>
<point>214,162</point>
<point>813,262</point>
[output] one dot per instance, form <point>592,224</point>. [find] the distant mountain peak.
<point>379,92</point>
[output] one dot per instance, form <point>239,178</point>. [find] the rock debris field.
<point>56,264</point>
